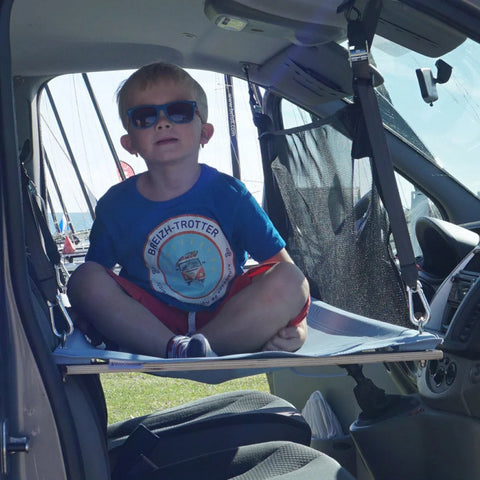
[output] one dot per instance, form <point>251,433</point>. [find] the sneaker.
<point>182,346</point>
<point>198,346</point>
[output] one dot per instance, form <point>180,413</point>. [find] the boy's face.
<point>166,142</point>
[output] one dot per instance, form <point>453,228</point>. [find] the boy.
<point>181,232</point>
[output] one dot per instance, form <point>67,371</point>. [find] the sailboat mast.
<point>70,153</point>
<point>59,196</point>
<point>232,126</point>
<point>108,138</point>
<point>52,212</point>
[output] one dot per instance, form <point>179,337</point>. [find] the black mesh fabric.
<point>344,254</point>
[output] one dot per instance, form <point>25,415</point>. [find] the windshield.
<point>448,130</point>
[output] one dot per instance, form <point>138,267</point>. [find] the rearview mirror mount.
<point>428,82</point>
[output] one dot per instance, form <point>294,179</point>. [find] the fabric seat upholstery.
<point>285,460</point>
<point>214,423</point>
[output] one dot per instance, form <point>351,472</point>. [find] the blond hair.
<point>157,72</point>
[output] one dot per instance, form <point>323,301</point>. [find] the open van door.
<point>38,436</point>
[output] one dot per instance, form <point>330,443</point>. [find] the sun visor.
<point>416,31</point>
<point>309,23</point>
<point>313,75</point>
<point>301,22</point>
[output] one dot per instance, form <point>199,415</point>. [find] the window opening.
<point>96,153</point>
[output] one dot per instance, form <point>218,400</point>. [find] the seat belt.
<point>44,258</point>
<point>370,140</point>
<point>273,203</point>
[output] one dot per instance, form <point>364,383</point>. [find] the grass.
<point>129,395</point>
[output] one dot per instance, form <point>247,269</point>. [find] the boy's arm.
<point>281,256</point>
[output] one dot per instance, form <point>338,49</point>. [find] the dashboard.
<point>461,317</point>
<point>452,383</point>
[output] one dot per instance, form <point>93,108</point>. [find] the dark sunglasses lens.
<point>144,117</point>
<point>181,112</point>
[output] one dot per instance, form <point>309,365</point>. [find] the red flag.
<point>68,246</point>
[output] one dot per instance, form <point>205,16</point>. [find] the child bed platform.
<point>335,337</point>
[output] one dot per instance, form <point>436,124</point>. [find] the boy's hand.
<point>288,339</point>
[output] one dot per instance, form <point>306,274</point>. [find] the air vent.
<point>466,331</point>
<point>462,283</point>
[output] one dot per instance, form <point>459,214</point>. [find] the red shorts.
<point>176,320</point>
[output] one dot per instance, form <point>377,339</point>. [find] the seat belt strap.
<point>46,267</point>
<point>134,461</point>
<point>360,34</point>
<point>272,201</point>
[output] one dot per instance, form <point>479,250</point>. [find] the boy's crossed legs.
<point>256,317</point>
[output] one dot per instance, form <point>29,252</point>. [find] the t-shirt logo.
<point>189,258</point>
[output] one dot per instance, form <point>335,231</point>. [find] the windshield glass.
<point>448,130</point>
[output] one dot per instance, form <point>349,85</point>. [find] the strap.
<point>42,267</point>
<point>371,133</point>
<point>272,202</point>
<point>303,128</point>
<point>133,462</point>
<point>45,266</point>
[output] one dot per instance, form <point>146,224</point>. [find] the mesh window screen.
<point>339,241</point>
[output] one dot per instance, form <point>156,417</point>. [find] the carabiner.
<point>423,320</point>
<point>51,307</point>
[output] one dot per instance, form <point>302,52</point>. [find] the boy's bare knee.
<point>289,283</point>
<point>85,280</point>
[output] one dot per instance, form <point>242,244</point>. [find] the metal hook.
<point>51,306</point>
<point>423,320</point>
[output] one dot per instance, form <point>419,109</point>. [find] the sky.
<point>91,149</point>
<point>451,127</point>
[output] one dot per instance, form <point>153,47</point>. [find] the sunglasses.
<point>145,116</point>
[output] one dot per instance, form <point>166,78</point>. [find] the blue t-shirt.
<point>185,251</point>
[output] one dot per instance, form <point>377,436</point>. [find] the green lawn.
<point>129,395</point>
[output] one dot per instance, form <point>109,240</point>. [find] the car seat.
<point>221,421</point>
<point>263,460</point>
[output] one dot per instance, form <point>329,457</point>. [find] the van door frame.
<point>35,404</point>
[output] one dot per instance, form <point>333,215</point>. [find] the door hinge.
<point>10,445</point>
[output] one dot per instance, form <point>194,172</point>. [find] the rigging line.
<point>106,133</point>
<point>82,127</point>
<point>57,142</point>
<point>76,109</point>
<point>59,145</point>
<point>70,153</point>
